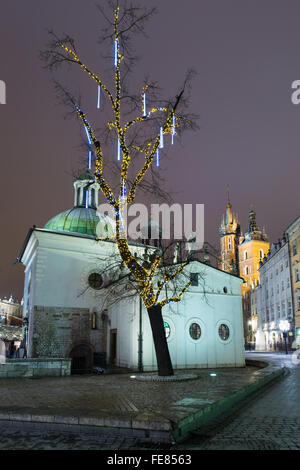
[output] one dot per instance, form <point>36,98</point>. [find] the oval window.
<point>167,329</point>
<point>224,332</point>
<point>195,331</point>
<point>95,281</point>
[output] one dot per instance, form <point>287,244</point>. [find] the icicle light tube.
<point>149,293</point>
<point>99,97</point>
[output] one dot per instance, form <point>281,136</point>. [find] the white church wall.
<point>122,318</point>
<point>61,301</point>
<point>60,266</point>
<point>209,311</point>
<point>30,291</point>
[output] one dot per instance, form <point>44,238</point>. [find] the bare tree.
<point>140,136</point>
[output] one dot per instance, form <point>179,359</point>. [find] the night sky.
<point>246,54</point>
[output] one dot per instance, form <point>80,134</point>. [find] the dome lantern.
<point>86,191</point>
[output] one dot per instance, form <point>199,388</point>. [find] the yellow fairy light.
<point>145,277</point>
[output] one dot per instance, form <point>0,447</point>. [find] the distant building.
<point>274,298</point>
<point>293,234</point>
<point>252,249</point>
<point>11,312</point>
<point>229,231</point>
<point>241,254</point>
<point>253,246</point>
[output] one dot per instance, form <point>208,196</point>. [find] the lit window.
<point>294,248</point>
<point>195,331</point>
<point>167,329</point>
<point>94,321</point>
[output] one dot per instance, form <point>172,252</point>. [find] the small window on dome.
<point>78,197</point>
<point>92,197</point>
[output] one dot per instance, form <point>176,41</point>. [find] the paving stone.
<point>272,422</point>
<point>269,422</point>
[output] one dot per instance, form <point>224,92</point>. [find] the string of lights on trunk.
<point>145,277</point>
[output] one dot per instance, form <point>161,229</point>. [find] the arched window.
<point>246,255</point>
<point>246,270</point>
<point>261,254</point>
<point>92,197</point>
<point>78,197</point>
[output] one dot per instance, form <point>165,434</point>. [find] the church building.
<point>78,300</point>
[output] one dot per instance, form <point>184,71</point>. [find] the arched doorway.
<point>81,355</point>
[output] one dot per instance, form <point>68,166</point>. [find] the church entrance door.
<point>81,359</point>
<point>113,347</point>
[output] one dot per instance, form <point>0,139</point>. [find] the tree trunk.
<point>164,363</point>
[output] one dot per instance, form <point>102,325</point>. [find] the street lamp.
<point>284,326</point>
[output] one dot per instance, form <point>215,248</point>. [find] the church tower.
<point>253,247</point>
<point>229,237</point>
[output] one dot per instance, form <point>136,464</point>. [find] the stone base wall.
<point>57,329</point>
<point>35,368</point>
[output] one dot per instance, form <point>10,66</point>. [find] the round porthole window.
<point>95,280</point>
<point>195,331</point>
<point>167,329</point>
<point>224,332</point>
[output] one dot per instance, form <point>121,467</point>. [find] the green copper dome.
<point>78,219</point>
<point>83,218</point>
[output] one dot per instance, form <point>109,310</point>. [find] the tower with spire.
<point>229,230</point>
<point>253,247</point>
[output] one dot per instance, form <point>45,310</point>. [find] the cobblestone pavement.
<point>271,421</point>
<point>122,397</point>
<point>118,396</point>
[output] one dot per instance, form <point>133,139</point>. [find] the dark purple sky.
<point>246,53</point>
